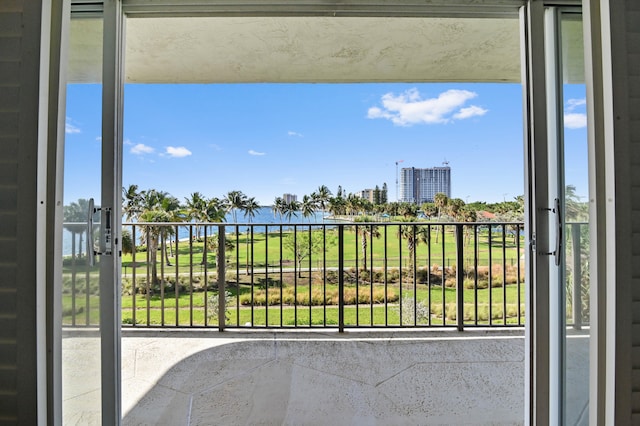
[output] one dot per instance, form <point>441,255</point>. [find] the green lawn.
<point>156,310</point>
<point>273,247</point>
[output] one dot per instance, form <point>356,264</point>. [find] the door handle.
<point>559,230</point>
<point>91,253</point>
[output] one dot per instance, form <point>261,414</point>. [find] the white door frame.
<point>111,203</point>
<point>537,353</point>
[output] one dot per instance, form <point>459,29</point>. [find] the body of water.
<point>263,216</point>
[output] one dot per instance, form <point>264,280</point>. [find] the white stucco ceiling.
<point>305,49</point>
<point>316,49</point>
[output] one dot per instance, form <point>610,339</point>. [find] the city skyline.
<point>269,139</point>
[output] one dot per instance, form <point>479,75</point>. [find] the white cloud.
<point>575,120</point>
<point>252,152</point>
<point>574,103</point>
<point>71,129</point>
<point>292,133</point>
<point>177,151</point>
<point>99,139</point>
<point>409,108</point>
<point>141,149</point>
<point>468,112</point>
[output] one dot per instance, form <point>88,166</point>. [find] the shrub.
<point>212,305</point>
<point>414,310</point>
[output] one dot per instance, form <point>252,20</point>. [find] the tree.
<point>384,195</point>
<point>157,206</point>
<point>278,207</point>
<point>308,206</point>
<point>291,209</point>
<point>132,202</point>
<point>303,244</point>
<point>321,197</point>
<point>251,208</point>
<point>440,200</point>
<point>151,234</point>
<point>213,211</point>
<point>366,232</point>
<point>376,195</point>
<point>235,201</point>
<point>75,217</point>
<point>414,234</point>
<point>195,209</point>
<point>429,209</point>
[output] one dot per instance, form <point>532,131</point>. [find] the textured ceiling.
<point>305,49</point>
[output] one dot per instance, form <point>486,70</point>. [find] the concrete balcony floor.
<point>203,377</point>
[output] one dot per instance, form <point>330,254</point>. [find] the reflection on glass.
<point>576,219</point>
<point>81,373</point>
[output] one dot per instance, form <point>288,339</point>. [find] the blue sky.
<point>270,139</point>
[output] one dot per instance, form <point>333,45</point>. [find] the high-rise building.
<point>288,198</point>
<point>421,185</point>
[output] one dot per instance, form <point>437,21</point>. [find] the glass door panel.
<point>575,218</point>
<point>568,209</point>
<point>81,342</point>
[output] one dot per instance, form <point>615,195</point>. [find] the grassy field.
<point>279,293</point>
<point>191,308</point>
<point>263,249</point>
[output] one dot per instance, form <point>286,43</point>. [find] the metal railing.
<point>391,274</point>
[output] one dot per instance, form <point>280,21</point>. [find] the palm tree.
<point>366,232</point>
<point>322,196</point>
<point>132,202</point>
<point>157,206</point>
<point>440,200</point>
<point>151,234</point>
<point>172,206</point>
<point>75,220</point>
<point>278,207</point>
<point>308,206</point>
<point>214,211</point>
<point>337,206</point>
<point>251,208</point>
<point>414,234</point>
<point>235,201</point>
<point>195,209</point>
<point>291,209</point>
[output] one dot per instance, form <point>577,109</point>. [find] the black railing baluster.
<point>429,274</point>
<point>490,276</point>
<point>221,266</point>
<point>504,274</point>
<point>475,273</point>
<point>176,287</point>
<point>444,279</point>
<point>310,284</point>
<point>134,289</point>
<point>281,278</point>
<point>460,276</point>
<point>519,272</point>
<point>341,278</point>
<point>191,276</point>
<point>205,261</point>
<point>386,288</point>
<point>266,275</point>
<point>371,274</point>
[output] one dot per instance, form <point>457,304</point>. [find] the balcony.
<point>343,323</point>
